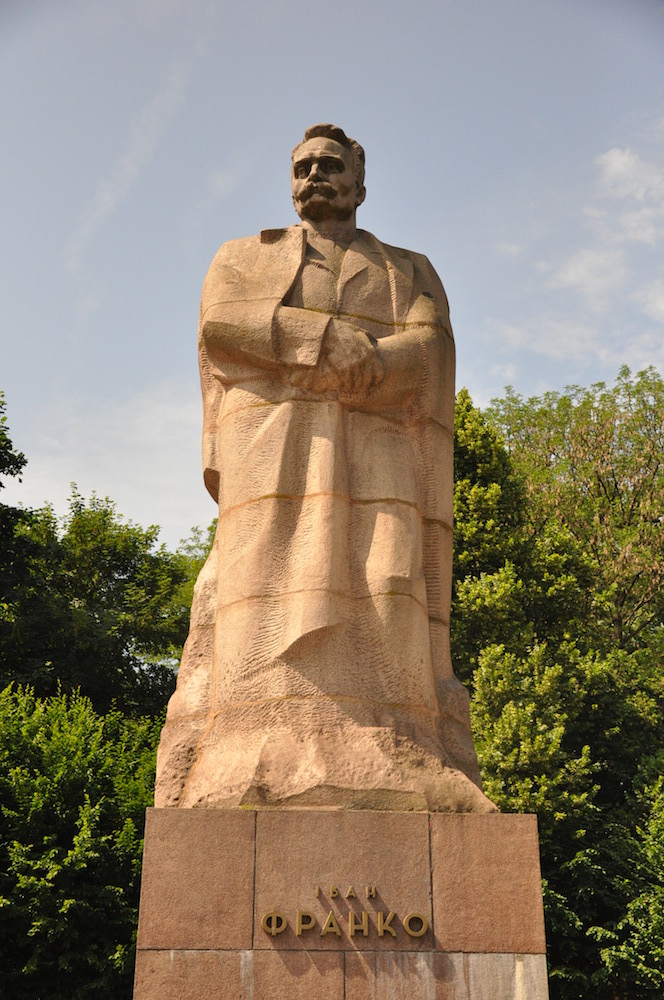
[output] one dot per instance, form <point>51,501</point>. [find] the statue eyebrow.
<point>322,156</point>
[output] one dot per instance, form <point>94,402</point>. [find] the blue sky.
<point>519,144</point>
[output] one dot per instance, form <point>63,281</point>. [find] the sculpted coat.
<point>317,670</point>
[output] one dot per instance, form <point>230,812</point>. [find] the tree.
<point>73,791</point>
<point>635,951</point>
<point>489,510</point>
<point>97,607</point>
<point>594,460</point>
<point>564,632</point>
<point>567,736</point>
<point>11,461</point>
<point>14,546</point>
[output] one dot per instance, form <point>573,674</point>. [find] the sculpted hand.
<point>318,379</point>
<point>352,358</point>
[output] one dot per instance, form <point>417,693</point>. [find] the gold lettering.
<point>333,891</point>
<point>384,924</point>
<point>305,922</point>
<point>409,929</point>
<point>371,891</point>
<point>274,923</point>
<point>331,925</point>
<point>350,893</point>
<point>355,925</point>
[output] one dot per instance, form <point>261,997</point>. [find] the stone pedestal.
<point>333,905</point>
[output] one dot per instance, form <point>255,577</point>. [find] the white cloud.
<point>225,182</point>
<point>650,298</point>
<point>645,225</point>
<point>147,130</point>
<point>556,338</point>
<point>572,349</point>
<point>623,174</point>
<point>509,250</point>
<point>506,373</point>
<point>595,272</point>
<point>624,223</point>
<point>143,452</point>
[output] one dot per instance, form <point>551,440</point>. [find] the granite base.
<point>336,905</point>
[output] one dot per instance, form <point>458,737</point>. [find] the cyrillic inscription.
<point>274,923</point>
<point>331,925</point>
<point>415,918</point>
<point>387,924</point>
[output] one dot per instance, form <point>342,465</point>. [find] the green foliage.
<point>11,462</point>
<point>13,547</point>
<point>92,602</point>
<point>488,511</point>
<point>564,734</point>
<point>73,791</point>
<point>193,552</point>
<point>593,460</point>
<point>488,494</point>
<point>94,605</point>
<point>635,950</point>
<point>562,624</point>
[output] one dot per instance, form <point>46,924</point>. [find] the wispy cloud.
<point>650,298</point>
<point>623,174</point>
<point>509,250</point>
<point>624,223</point>
<point>129,449</point>
<point>219,185</point>
<point>556,338</point>
<point>624,177</point>
<point>596,272</point>
<point>222,183</point>
<point>148,128</point>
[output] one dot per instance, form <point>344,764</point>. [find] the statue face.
<point>323,180</point>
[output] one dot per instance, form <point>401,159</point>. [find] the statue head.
<point>327,175</point>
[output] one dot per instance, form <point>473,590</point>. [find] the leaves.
<point>594,461</point>
<point>94,604</point>
<point>562,626</point>
<point>73,790</point>
<point>11,461</point>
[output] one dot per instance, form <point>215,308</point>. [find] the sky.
<point>519,144</point>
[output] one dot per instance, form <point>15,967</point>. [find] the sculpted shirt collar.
<point>363,243</point>
<point>364,249</point>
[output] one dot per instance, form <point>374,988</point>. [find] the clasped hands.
<point>349,363</point>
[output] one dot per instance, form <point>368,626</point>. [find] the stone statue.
<point>317,670</point>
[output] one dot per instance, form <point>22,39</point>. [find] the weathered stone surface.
<point>341,854</point>
<point>317,670</point>
<point>295,975</point>
<point>288,975</point>
<point>192,975</point>
<point>244,975</point>
<point>216,883</point>
<point>436,976</point>
<point>487,884</point>
<point>197,886</point>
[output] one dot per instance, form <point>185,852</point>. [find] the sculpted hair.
<point>328,131</point>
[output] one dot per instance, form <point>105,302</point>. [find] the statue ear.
<point>361,195</point>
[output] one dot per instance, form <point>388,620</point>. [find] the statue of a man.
<point>317,670</point>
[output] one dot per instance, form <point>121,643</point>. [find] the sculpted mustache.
<point>311,189</point>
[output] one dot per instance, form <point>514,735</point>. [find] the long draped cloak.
<point>317,669</point>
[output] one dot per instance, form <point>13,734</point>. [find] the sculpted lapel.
<point>385,277</point>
